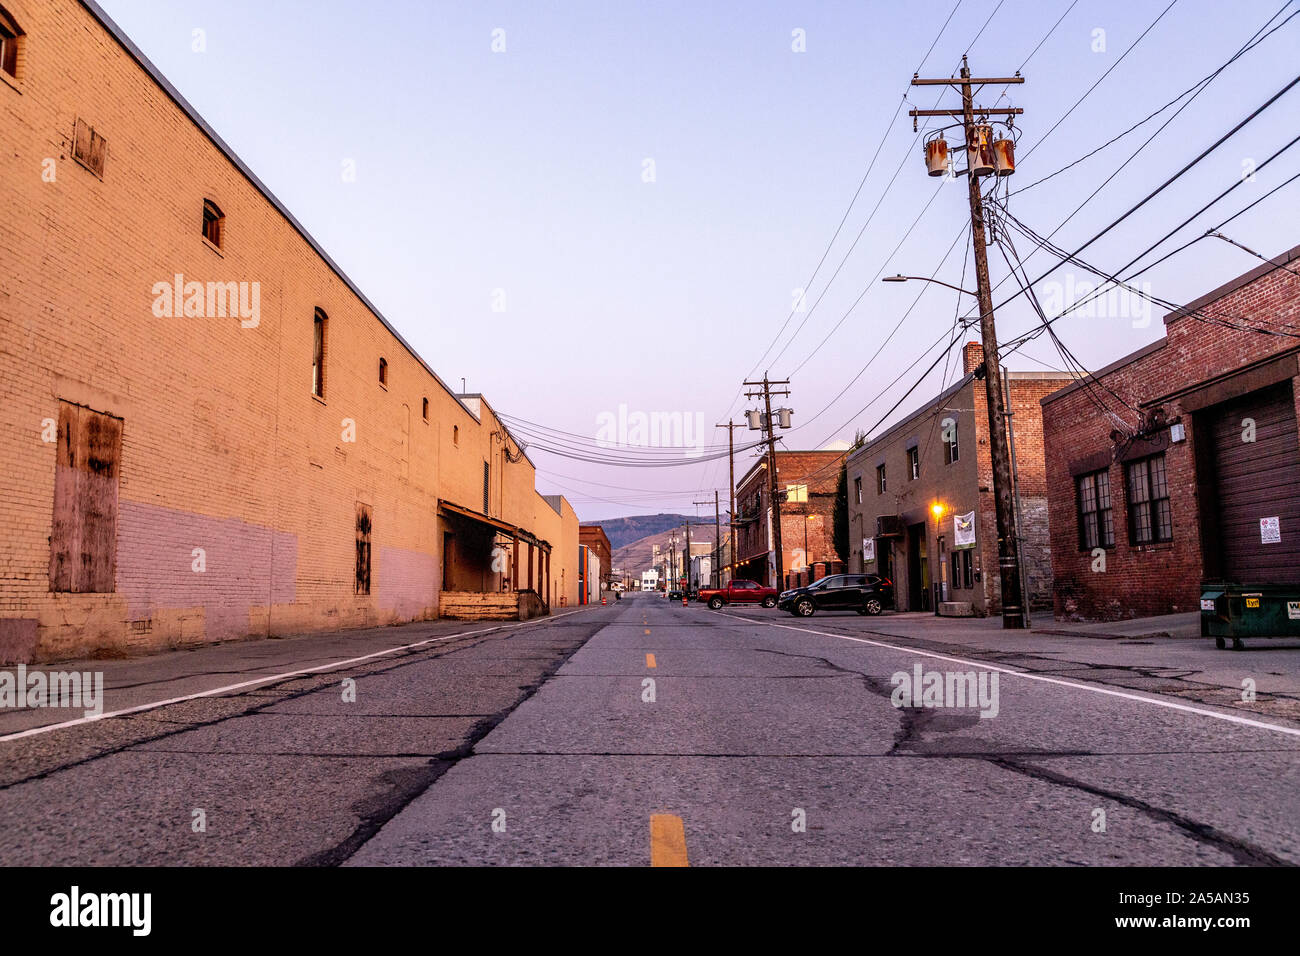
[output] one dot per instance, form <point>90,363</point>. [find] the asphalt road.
<point>284,769</point>
<point>755,727</point>
<point>762,740</point>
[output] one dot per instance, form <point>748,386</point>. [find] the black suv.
<point>864,593</point>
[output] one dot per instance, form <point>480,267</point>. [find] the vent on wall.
<point>89,147</point>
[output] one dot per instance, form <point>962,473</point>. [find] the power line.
<point>1204,84</point>
<point>884,137</point>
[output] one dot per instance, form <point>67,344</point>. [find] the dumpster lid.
<point>1211,595</point>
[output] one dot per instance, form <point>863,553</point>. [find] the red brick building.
<point>807,482</point>
<point>594,537</point>
<point>1180,463</point>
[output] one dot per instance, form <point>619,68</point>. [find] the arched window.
<point>11,40</point>
<point>318,354</point>
<point>383,372</point>
<point>455,434</point>
<point>214,222</point>
<point>426,409</point>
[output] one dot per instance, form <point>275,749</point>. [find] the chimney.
<point>972,356</point>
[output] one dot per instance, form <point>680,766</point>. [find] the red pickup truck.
<point>739,592</point>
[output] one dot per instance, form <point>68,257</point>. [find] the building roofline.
<point>762,460</point>
<point>479,396</point>
<point>1200,302</point>
<point>174,95</point>
<point>902,423</point>
<point>1129,359</point>
<point>1232,285</point>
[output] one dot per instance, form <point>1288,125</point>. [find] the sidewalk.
<point>1163,655</point>
<point>1177,626</point>
<point>216,669</point>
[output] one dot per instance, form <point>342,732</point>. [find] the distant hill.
<point>637,556</point>
<point>621,531</point>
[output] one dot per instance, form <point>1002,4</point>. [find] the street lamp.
<point>903,278</point>
<point>938,510</point>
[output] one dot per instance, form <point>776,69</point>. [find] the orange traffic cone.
<point>603,601</point>
<point>683,600</point>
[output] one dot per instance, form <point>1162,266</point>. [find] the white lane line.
<point>46,728</point>
<point>1027,675</point>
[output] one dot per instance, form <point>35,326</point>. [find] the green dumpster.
<point>1237,611</point>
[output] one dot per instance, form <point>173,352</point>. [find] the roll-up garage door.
<point>1258,486</point>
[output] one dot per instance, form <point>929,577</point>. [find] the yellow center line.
<point>650,661</point>
<point>667,840</point>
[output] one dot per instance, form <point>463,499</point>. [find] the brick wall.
<point>819,471</point>
<point>224,447</point>
<point>960,487</point>
<point>1159,578</point>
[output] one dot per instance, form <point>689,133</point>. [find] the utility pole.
<point>686,558</point>
<point>713,562</point>
<point>1015,482</point>
<point>731,480</point>
<point>767,394</point>
<point>717,539</point>
<point>980,153</point>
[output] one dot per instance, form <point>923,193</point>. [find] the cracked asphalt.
<point>754,728</point>
<point>285,771</point>
<point>774,741</point>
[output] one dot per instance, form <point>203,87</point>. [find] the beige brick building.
<point>939,456</point>
<point>208,431</point>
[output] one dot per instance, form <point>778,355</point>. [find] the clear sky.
<point>501,216</point>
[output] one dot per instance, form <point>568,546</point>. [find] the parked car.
<point>739,591</point>
<point>864,593</point>
<point>676,594</point>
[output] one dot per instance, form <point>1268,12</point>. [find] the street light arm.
<point>902,278</point>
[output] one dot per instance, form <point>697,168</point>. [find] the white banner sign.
<point>963,530</point>
<point>1270,531</point>
<point>868,549</point>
